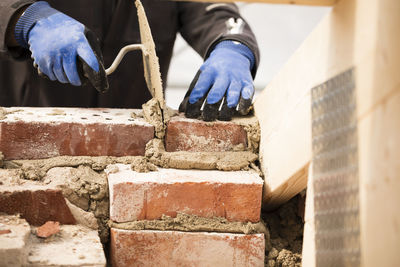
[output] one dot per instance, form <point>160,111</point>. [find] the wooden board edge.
<point>294,185</point>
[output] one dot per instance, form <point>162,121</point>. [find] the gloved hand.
<point>62,48</point>
<point>225,75</point>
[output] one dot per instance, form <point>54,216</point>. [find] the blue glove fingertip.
<point>218,90</point>
<point>201,87</point>
<point>87,54</point>
<point>69,66</point>
<point>233,94</point>
<point>248,92</point>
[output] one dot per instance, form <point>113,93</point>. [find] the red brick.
<point>48,229</point>
<point>36,205</point>
<point>195,135</point>
<point>32,133</point>
<point>235,196</point>
<point>170,248</point>
<point>6,231</point>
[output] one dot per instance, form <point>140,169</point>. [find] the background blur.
<point>280,30</point>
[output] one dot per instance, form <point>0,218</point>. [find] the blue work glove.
<point>224,76</point>
<point>62,48</point>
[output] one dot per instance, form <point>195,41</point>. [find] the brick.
<point>33,133</point>
<point>75,245</point>
<point>192,135</point>
<point>13,251</point>
<point>5,231</point>
<point>48,229</point>
<point>171,248</point>
<point>234,195</point>
<point>37,204</point>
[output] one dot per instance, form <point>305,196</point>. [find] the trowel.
<point>150,60</point>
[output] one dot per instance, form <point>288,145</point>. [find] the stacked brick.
<point>235,196</point>
<point>32,133</point>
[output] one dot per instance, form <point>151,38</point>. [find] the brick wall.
<point>34,133</point>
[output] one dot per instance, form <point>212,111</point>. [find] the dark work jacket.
<point>115,22</point>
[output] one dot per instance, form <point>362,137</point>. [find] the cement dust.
<point>4,112</point>
<point>135,115</point>
<point>56,112</point>
<point>74,245</point>
<point>226,161</point>
<point>192,223</point>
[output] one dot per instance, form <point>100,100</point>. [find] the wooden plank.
<point>364,35</point>
<point>291,2</point>
<point>379,171</point>
<point>284,191</point>
<point>308,257</point>
<point>284,107</point>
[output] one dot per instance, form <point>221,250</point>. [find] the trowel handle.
<point>121,55</point>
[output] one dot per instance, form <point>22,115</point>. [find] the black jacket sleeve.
<point>7,10</point>
<point>203,25</point>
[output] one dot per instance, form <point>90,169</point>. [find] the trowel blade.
<point>150,60</point>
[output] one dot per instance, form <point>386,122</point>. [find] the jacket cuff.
<point>238,47</point>
<point>29,18</point>
<point>244,40</point>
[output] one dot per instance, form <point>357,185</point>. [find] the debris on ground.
<point>285,226</point>
<point>48,229</point>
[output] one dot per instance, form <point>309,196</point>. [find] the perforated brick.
<point>32,133</point>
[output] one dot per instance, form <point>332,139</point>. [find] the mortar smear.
<point>193,223</point>
<point>1,159</point>
<point>153,114</point>
<point>87,191</point>
<point>37,169</point>
<point>226,161</point>
<point>3,113</point>
<point>252,127</point>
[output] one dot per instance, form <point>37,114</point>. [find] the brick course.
<point>184,134</point>
<point>37,204</point>
<point>172,248</point>
<point>235,196</point>
<point>32,133</point>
